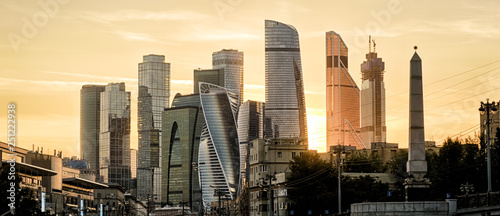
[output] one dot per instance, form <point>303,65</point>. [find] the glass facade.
<point>342,96</point>
<point>90,120</point>
<point>250,127</point>
<point>114,138</point>
<point>182,127</point>
<point>219,155</point>
<point>154,93</point>
<point>232,62</point>
<point>214,76</point>
<point>285,100</point>
<point>373,127</point>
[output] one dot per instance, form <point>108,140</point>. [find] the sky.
<point>50,48</point>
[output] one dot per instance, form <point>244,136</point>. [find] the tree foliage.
<point>314,186</point>
<point>25,202</point>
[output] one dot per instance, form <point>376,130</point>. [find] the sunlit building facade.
<point>342,96</point>
<point>214,76</point>
<point>232,62</point>
<point>182,125</point>
<point>373,127</point>
<point>285,101</point>
<point>114,138</point>
<point>154,94</point>
<point>219,155</point>
<point>250,127</point>
<point>90,120</point>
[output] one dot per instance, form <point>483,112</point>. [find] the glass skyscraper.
<point>154,93</point>
<point>342,96</point>
<point>182,125</point>
<point>250,127</point>
<point>219,155</point>
<point>373,127</point>
<point>232,62</point>
<point>114,138</point>
<point>285,100</point>
<point>214,76</point>
<point>90,121</point>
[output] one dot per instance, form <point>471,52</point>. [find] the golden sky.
<point>50,48</point>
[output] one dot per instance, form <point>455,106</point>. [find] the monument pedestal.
<point>417,189</point>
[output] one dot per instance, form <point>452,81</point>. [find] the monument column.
<point>416,184</point>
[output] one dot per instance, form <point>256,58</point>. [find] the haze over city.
<point>91,42</point>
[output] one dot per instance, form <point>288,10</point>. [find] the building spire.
<point>369,44</point>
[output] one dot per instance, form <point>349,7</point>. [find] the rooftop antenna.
<point>415,47</point>
<point>374,48</point>
<point>369,44</point>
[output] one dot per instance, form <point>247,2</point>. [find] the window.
<point>293,154</point>
<point>280,155</point>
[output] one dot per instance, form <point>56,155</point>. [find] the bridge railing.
<point>478,200</point>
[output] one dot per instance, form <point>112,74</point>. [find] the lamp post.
<point>466,188</point>
<point>488,107</point>
<point>219,193</point>
<point>338,153</point>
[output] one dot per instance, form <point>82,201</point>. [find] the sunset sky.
<point>47,52</point>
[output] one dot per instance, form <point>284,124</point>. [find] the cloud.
<point>115,79</point>
<point>138,37</point>
<point>475,26</point>
<point>142,15</point>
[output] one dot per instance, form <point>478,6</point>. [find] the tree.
<point>314,187</point>
<point>364,163</point>
<point>25,203</point>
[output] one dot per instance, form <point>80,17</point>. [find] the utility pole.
<point>488,107</point>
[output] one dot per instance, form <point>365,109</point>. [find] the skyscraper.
<point>219,156</point>
<point>342,96</point>
<point>182,125</point>
<point>114,139</point>
<point>372,98</point>
<point>90,121</point>
<point>214,76</point>
<point>232,62</point>
<point>250,127</point>
<point>285,100</point>
<point>154,93</point>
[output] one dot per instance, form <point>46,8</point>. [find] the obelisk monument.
<point>416,184</point>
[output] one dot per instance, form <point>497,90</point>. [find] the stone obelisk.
<point>416,184</point>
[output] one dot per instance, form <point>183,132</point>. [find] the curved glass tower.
<point>219,156</point>
<point>285,100</point>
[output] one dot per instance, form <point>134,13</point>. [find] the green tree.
<point>364,163</point>
<point>25,204</point>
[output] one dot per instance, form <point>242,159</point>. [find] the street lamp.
<point>466,188</point>
<point>339,169</point>
<point>488,107</point>
<point>219,193</point>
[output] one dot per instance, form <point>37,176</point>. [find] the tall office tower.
<point>182,127</point>
<point>214,76</point>
<point>342,96</point>
<point>372,98</point>
<point>219,156</point>
<point>133,163</point>
<point>154,93</point>
<point>232,62</point>
<point>114,139</point>
<point>250,127</point>
<point>90,121</point>
<point>285,100</point>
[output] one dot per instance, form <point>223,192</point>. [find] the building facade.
<point>269,161</point>
<point>182,125</point>
<point>154,94</point>
<point>342,96</point>
<point>285,100</point>
<point>214,76</point>
<point>250,127</point>
<point>90,106</point>
<point>114,137</point>
<point>219,155</point>
<point>232,62</point>
<point>373,127</point>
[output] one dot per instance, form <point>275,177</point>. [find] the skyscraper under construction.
<point>373,127</point>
